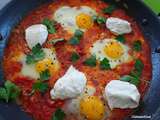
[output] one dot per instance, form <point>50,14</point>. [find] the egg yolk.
<point>114,50</point>
<point>45,64</point>
<point>92,108</point>
<point>84,21</point>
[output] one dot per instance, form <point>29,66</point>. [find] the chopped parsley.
<point>109,9</point>
<point>36,55</point>
<point>104,64</point>
<point>74,57</point>
<point>134,76</point>
<point>130,79</point>
<point>9,92</point>
<point>40,86</point>
<point>75,40</point>
<point>99,19</point>
<point>91,61</point>
<point>121,38</point>
<point>139,66</point>
<point>58,115</point>
<point>45,75</point>
<point>50,25</point>
<point>78,34</point>
<point>137,46</point>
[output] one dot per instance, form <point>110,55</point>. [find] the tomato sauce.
<point>40,106</point>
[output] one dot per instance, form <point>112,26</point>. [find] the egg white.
<point>29,70</point>
<point>98,50</point>
<point>72,105</point>
<point>66,16</point>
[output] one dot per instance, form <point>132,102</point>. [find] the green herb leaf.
<point>3,94</point>
<point>139,65</point>
<point>121,38</point>
<point>74,41</point>
<point>36,55</point>
<point>36,48</point>
<point>9,92</point>
<point>45,75</point>
<point>13,91</point>
<point>137,46</point>
<point>54,41</point>
<point>99,19</point>
<point>40,86</point>
<point>134,77</point>
<point>74,57</point>
<point>91,61</point>
<point>104,64</point>
<point>130,79</point>
<point>50,25</point>
<point>126,78</point>
<point>58,115</point>
<point>109,9</point>
<point>78,34</point>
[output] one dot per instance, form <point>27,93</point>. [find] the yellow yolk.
<point>113,50</point>
<point>84,21</point>
<point>92,108</point>
<point>45,64</point>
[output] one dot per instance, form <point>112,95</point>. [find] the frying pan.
<point>12,14</point>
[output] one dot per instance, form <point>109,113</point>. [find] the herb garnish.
<point>109,9</point>
<point>39,86</point>
<point>36,55</point>
<point>75,40</point>
<point>134,76</point>
<point>99,19</point>
<point>75,56</point>
<point>45,75</point>
<point>50,25</point>
<point>137,46</point>
<point>90,61</point>
<point>58,115</point>
<point>9,92</point>
<point>121,38</point>
<point>104,64</point>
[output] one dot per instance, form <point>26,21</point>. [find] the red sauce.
<point>41,107</point>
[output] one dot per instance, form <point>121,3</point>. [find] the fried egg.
<point>115,51</point>
<point>33,71</point>
<point>73,18</point>
<point>86,106</point>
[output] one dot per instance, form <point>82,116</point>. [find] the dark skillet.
<point>149,23</point>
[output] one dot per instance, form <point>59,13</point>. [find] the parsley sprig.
<point>58,114</point>
<point>75,40</point>
<point>91,61</point>
<point>109,9</point>
<point>104,64</point>
<point>134,76</point>
<point>74,57</point>
<point>50,25</point>
<point>121,38</point>
<point>36,54</point>
<point>10,91</point>
<point>39,86</point>
<point>137,46</point>
<point>45,75</point>
<point>99,19</point>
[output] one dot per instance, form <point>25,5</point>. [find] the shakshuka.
<point>77,60</point>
